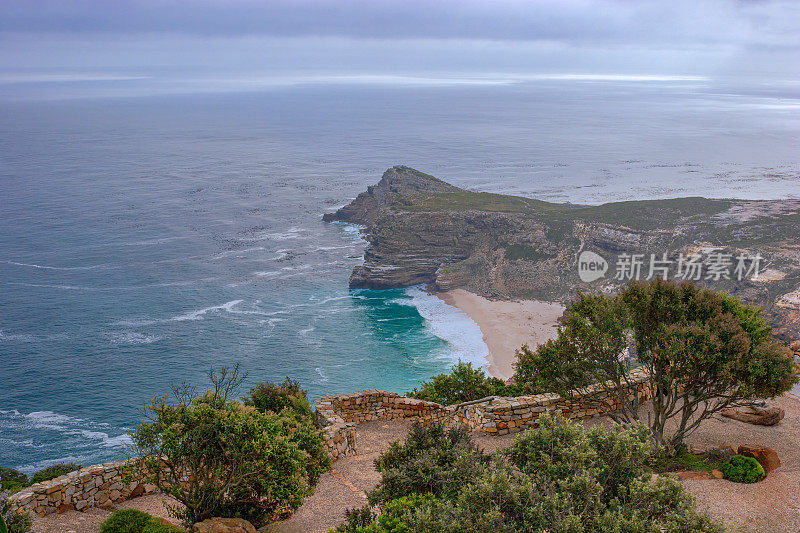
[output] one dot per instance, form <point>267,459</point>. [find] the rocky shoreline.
<point>422,230</point>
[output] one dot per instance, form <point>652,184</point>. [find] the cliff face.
<point>423,230</point>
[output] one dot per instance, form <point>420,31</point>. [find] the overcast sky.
<point>709,38</point>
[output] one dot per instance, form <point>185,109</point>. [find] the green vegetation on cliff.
<point>422,230</point>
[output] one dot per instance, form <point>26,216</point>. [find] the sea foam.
<point>462,335</point>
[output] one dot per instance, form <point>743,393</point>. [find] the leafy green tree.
<point>218,457</point>
<point>463,384</point>
<point>702,351</point>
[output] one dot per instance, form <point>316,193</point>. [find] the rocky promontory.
<point>422,230</point>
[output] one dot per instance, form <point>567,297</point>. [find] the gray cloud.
<point>758,39</point>
<point>677,23</point>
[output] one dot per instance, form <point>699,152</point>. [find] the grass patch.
<point>685,460</point>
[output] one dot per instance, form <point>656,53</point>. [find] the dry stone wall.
<point>342,413</point>
<point>109,483</point>
<point>494,416</point>
<point>93,486</point>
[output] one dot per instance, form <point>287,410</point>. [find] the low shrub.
<point>741,469</point>
<point>560,477</point>
<point>14,522</point>
<point>431,460</point>
<point>133,521</point>
<point>126,521</point>
<point>12,480</point>
<point>54,471</point>
<point>390,520</point>
<point>463,384</point>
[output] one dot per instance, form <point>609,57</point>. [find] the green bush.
<point>220,458</point>
<point>560,478</point>
<point>12,480</point>
<point>14,522</point>
<point>54,471</point>
<point>431,460</point>
<point>462,384</point>
<point>391,520</point>
<point>133,521</point>
<point>126,521</point>
<point>268,396</point>
<point>741,469</point>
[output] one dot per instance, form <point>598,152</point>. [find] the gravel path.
<point>771,506</point>
<point>90,520</point>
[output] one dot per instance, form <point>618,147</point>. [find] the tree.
<point>218,457</point>
<point>701,351</point>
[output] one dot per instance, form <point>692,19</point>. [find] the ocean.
<point>148,236</point>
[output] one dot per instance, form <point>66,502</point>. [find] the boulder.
<point>224,525</point>
<point>698,449</point>
<point>766,416</point>
<point>767,457</point>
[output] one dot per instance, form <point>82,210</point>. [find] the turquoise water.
<point>145,239</point>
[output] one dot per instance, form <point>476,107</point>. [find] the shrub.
<point>431,460</point>
<point>268,396</point>
<point>220,458</point>
<point>126,521</point>
<point>741,469</point>
<point>462,384</point>
<point>702,351</point>
<point>14,522</point>
<point>54,471</point>
<point>560,477</point>
<point>355,520</point>
<point>133,521</point>
<point>391,520</point>
<point>12,480</point>
<point>289,400</point>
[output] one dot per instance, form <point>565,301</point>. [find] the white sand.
<point>507,325</point>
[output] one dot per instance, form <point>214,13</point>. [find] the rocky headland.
<point>422,230</point>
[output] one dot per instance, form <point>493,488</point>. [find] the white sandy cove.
<point>507,325</point>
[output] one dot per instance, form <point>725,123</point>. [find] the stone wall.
<point>342,413</point>
<point>109,483</point>
<point>93,486</point>
<point>494,416</point>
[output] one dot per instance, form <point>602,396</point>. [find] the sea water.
<point>145,239</point>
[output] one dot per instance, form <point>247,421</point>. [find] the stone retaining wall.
<point>93,486</point>
<point>109,483</point>
<point>494,416</point>
<point>342,413</point>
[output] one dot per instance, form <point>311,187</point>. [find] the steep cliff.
<point>423,230</point>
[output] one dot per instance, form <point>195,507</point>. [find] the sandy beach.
<point>507,325</point>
